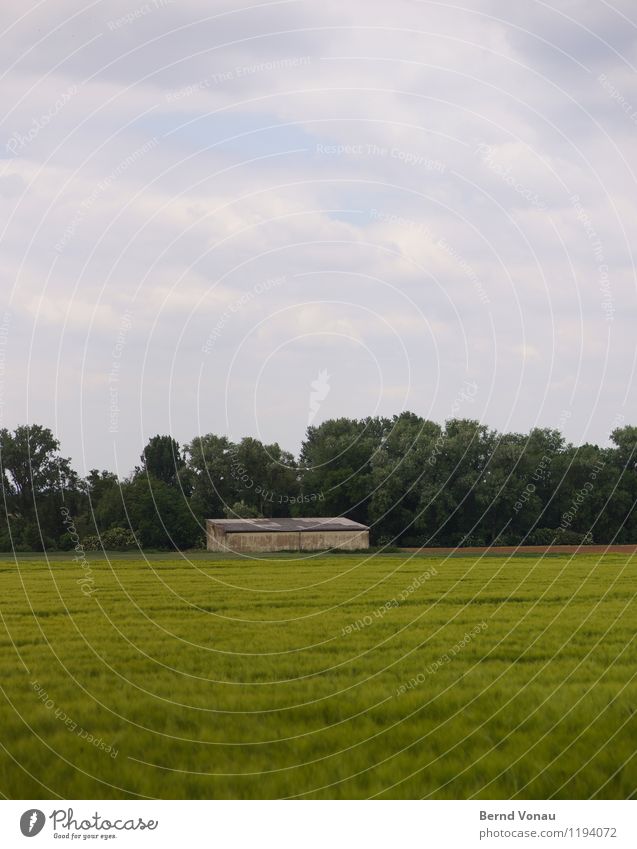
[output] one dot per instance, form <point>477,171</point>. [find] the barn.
<point>251,535</point>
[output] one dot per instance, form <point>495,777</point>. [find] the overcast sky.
<point>239,220</point>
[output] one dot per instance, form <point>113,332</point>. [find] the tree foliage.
<point>415,482</point>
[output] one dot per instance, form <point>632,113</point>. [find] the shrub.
<point>506,539</point>
<point>115,539</point>
<point>471,540</point>
<point>67,542</point>
<point>541,536</point>
<point>414,541</point>
<point>558,536</point>
<point>384,540</point>
<point>241,510</point>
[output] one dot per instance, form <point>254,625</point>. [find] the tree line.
<point>415,482</point>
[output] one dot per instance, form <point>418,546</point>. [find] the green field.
<point>329,677</point>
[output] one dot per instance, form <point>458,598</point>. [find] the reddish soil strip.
<point>532,549</point>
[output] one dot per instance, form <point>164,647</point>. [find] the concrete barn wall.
<point>218,540</point>
<point>263,542</point>
<point>214,538</point>
<point>347,540</point>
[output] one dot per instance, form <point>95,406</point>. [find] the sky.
<point>244,219</point>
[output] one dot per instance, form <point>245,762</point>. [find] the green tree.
<point>400,472</point>
<point>163,460</point>
<point>266,477</point>
<point>159,514</point>
<point>337,465</point>
<point>36,482</point>
<point>209,475</point>
<point>32,466</point>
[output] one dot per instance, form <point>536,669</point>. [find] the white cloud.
<point>238,189</point>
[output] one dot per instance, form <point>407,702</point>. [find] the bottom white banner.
<point>317,825</point>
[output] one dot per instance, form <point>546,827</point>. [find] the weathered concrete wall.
<point>263,542</point>
<point>286,541</point>
<point>215,537</point>
<point>347,540</point>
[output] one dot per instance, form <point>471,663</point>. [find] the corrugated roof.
<point>243,526</point>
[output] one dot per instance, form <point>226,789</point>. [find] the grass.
<point>390,676</point>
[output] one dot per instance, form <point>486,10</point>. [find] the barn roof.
<point>251,526</point>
